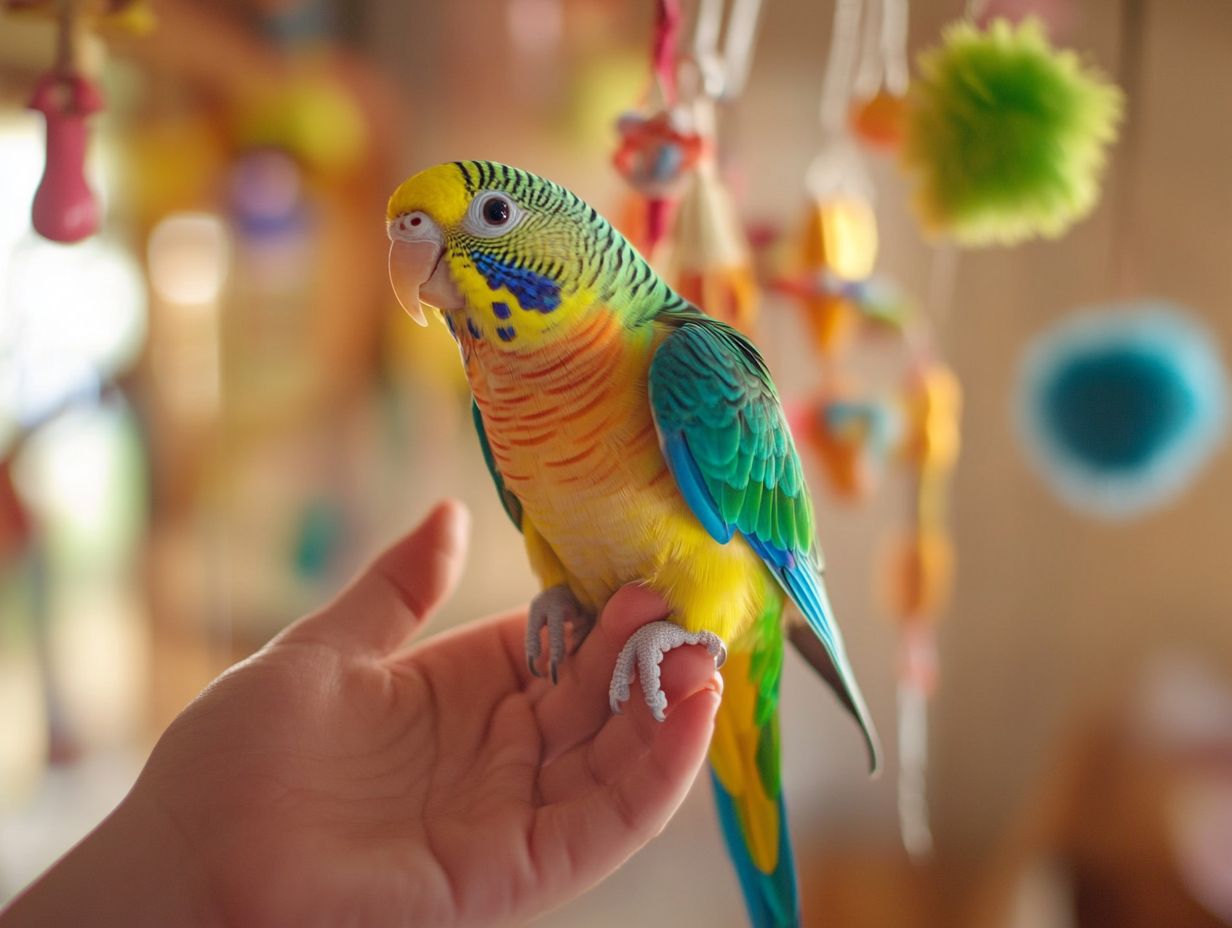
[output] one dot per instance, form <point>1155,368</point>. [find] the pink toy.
<point>65,208</point>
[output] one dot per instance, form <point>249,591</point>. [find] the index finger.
<point>391,598</point>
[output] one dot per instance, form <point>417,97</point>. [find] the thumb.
<point>397,592</point>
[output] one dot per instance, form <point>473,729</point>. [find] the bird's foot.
<point>554,607</point>
<point>645,650</point>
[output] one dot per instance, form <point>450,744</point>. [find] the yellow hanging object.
<point>840,235</point>
<point>922,562</point>
<point>838,245</point>
<point>712,266</point>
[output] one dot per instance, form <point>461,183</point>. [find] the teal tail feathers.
<point>745,770</point>
<point>771,898</point>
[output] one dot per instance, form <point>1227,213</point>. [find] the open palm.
<point>339,777</point>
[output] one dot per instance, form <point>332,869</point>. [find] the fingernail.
<point>713,685</point>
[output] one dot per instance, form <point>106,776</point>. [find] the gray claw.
<point>554,608</point>
<point>644,650</point>
<point>534,622</point>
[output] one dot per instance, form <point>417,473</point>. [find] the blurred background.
<point>212,411</point>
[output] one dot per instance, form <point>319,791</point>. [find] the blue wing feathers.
<point>693,488</point>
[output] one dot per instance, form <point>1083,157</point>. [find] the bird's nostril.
<point>416,221</point>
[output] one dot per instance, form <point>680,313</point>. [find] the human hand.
<point>337,777</point>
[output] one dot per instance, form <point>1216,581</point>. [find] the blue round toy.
<point>1119,408</point>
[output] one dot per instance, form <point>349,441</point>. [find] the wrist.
<point>134,869</point>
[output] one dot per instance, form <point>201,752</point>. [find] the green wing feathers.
<point>512,505</point>
<point>721,420</point>
<point>725,437</point>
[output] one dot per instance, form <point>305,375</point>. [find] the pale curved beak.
<point>410,266</point>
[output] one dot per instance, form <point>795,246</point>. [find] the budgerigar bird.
<point>631,437</point>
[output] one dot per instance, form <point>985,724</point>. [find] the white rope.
<point>836,86</point>
<point>706,29</point>
<point>894,20</point>
<point>741,38</point>
<point>724,73</point>
<point>883,50</point>
<point>913,771</point>
<point>870,65</point>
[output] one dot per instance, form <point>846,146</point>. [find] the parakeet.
<point>631,437</point>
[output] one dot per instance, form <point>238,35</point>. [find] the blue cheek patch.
<point>473,329</point>
<point>534,291</point>
<point>501,310</point>
<point>507,333</point>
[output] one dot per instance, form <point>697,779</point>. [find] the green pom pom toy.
<point>1006,134</point>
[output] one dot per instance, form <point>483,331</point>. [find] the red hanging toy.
<point>65,208</point>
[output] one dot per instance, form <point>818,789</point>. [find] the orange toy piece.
<point>933,406</point>
<point>831,317</point>
<point>832,320</point>
<point>851,436</point>
<point>711,261</point>
<point>879,121</point>
<point>846,469</point>
<point>922,568</point>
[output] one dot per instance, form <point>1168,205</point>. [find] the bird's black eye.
<point>492,214</point>
<point>496,211</point>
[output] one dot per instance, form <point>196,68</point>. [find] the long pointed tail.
<point>744,766</point>
<point>808,590</point>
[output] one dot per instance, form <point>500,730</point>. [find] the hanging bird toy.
<point>65,208</point>
<point>1005,135</point>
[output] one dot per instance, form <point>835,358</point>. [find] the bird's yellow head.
<point>510,256</point>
